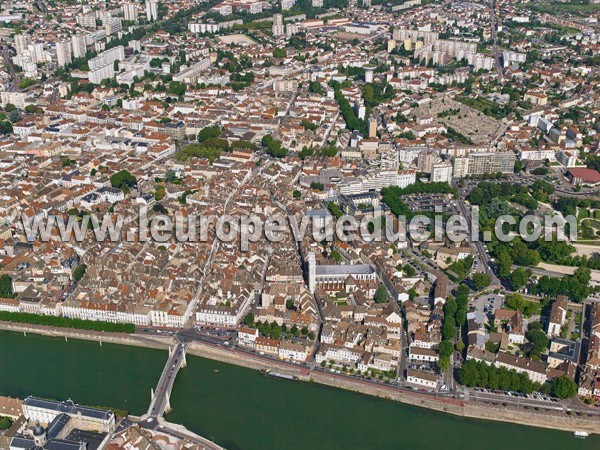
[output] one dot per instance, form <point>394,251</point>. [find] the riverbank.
<point>157,342</point>
<point>541,419</point>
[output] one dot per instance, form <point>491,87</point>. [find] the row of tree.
<point>65,322</point>
<point>455,314</point>
<point>274,331</point>
<point>478,374</point>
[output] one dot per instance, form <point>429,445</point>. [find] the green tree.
<point>6,127</point>
<point>296,194</point>
<point>470,373</point>
<point>461,316</point>
<point>6,288</point>
<point>381,296</point>
<point>564,387</point>
<point>444,364</point>
<point>539,342</point>
<point>515,301</point>
<point>249,319</point>
<point>450,307</point>
<point>273,146</point>
<point>408,270</point>
<point>5,423</point>
<point>79,272</point>
<point>176,88</point>
<point>26,82</point>
<point>64,322</point>
<point>308,125</point>
<point>208,132</point>
<point>334,209</point>
<point>448,328</point>
<point>412,294</point>
<point>279,53</point>
<point>519,278</point>
<point>481,280</point>
<point>445,349</point>
<point>335,255</point>
<point>123,180</point>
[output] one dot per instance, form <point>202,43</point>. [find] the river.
<point>240,409</point>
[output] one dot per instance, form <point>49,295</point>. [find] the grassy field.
<point>574,7</point>
<point>556,8</point>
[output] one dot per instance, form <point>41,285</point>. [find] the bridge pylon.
<point>168,408</point>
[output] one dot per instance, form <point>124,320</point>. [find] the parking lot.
<point>428,202</point>
<point>488,304</point>
<point>533,396</point>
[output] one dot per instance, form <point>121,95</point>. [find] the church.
<point>336,278</point>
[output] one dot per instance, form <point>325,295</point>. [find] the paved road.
<point>205,443</point>
<point>482,254</point>
<point>494,30</point>
<point>14,76</point>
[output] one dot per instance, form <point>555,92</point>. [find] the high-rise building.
<point>22,41</point>
<point>152,10</point>
<point>372,127</point>
<point>87,20</point>
<point>101,73</point>
<point>425,161</point>
<point>130,12</point>
<point>63,53</point>
<point>278,27</point>
<point>39,53</point>
<point>79,45</point>
<point>441,172</point>
<point>107,57</point>
<point>494,162</point>
<point>190,74</point>
<point>369,70</point>
<point>112,25</point>
<point>287,4</point>
<point>461,167</point>
<point>291,29</point>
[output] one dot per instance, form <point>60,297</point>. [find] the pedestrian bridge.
<point>160,402</point>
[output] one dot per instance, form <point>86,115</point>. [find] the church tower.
<point>312,272</point>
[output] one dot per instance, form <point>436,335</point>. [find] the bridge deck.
<point>160,401</point>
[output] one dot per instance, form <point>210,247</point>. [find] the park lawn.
<point>583,214</point>
<point>577,8</point>
<point>593,223</point>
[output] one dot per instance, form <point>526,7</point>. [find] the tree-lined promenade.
<point>64,322</point>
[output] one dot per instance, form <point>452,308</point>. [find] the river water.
<point>241,409</point>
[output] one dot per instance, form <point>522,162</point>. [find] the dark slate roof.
<point>68,407</point>
<point>355,269</point>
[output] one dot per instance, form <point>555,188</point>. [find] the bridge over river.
<point>160,403</point>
